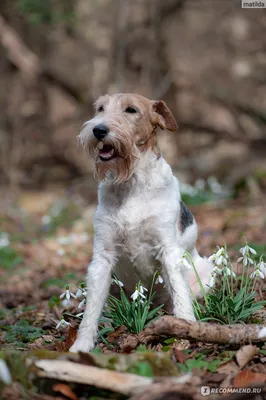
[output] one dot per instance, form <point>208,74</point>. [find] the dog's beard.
<point>114,157</point>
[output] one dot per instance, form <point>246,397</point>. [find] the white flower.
<point>214,185</point>
<point>4,240</point>
<point>229,272</point>
<point>256,273</point>
<point>159,280</point>
<point>79,293</point>
<point>81,304</point>
<point>67,294</point>
<point>246,250</point>
<point>117,282</point>
<point>220,257</point>
<point>212,280</point>
<point>221,261</point>
<point>137,294</point>
<point>200,184</point>
<point>142,289</point>
<point>62,324</point>
<point>188,189</point>
<point>262,266</point>
<point>217,271</point>
<point>46,220</point>
<point>66,303</point>
<point>61,252</point>
<point>246,260</point>
<point>184,262</point>
<point>5,375</point>
<point>212,258</point>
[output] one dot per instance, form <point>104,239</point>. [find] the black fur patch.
<point>186,217</point>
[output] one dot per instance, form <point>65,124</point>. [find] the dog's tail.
<point>204,269</point>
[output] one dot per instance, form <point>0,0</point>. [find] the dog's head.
<point>123,128</point>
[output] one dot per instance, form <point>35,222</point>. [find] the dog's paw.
<point>184,315</point>
<point>83,344</point>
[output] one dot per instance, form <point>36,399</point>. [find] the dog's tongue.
<point>106,151</point>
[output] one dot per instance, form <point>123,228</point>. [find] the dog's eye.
<point>100,109</point>
<point>130,110</point>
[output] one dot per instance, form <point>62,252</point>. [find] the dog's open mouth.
<point>106,152</point>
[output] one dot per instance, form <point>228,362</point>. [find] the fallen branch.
<point>204,332</point>
<point>68,371</point>
<point>120,382</point>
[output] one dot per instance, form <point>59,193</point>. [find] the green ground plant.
<point>230,299</point>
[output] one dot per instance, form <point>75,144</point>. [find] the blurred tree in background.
<point>206,59</point>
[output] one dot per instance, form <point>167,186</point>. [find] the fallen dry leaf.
<point>245,354</point>
<point>179,355</point>
<point>229,367</point>
<point>112,336</point>
<point>71,337</point>
<point>65,390</point>
<point>246,378</point>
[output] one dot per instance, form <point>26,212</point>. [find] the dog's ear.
<point>162,116</point>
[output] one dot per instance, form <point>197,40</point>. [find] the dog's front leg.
<point>98,284</point>
<point>176,284</point>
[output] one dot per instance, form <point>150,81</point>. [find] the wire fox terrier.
<point>141,225</point>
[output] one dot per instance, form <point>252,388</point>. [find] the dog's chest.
<point>137,226</point>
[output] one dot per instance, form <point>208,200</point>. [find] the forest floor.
<point>49,245</point>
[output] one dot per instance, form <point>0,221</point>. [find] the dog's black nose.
<point>100,131</point>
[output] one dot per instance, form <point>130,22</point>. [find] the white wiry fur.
<point>137,232</point>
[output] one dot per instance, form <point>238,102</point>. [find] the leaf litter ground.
<point>51,245</point>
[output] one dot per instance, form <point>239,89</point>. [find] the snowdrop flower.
<point>137,294</point>
<point>159,279</point>
<point>4,240</point>
<point>142,289</point>
<point>245,260</point>
<point>229,272</point>
<point>66,303</point>
<point>81,291</point>
<point>220,257</point>
<point>200,184</point>
<point>212,280</point>
<point>246,250</point>
<point>212,258</point>
<point>61,252</point>
<point>5,375</point>
<point>217,271</point>
<point>262,266</point>
<point>184,262</point>
<point>62,324</point>
<point>67,294</point>
<point>256,273</point>
<point>188,189</point>
<point>214,185</point>
<point>117,282</point>
<point>81,304</point>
